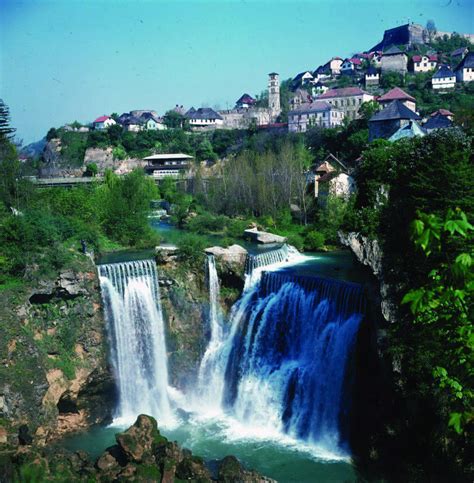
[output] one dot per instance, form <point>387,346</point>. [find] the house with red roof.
<point>423,63</point>
<point>397,94</point>
<point>331,177</point>
<point>350,66</point>
<point>443,112</point>
<point>348,99</point>
<point>103,122</point>
<point>245,101</point>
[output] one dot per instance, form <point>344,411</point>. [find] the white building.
<point>311,114</point>
<point>465,70</point>
<point>444,78</point>
<point>424,63</point>
<point>204,117</point>
<point>103,122</point>
<point>168,165</point>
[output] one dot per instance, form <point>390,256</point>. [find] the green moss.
<point>32,472</point>
<point>148,472</point>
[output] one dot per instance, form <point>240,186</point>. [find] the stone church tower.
<point>274,95</point>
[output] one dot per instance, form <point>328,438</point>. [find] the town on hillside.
<point>402,87</point>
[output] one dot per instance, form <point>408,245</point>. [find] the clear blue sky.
<point>70,59</point>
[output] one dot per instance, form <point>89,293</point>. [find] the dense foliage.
<point>432,342</point>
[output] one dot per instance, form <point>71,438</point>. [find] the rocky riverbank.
<point>54,375</point>
<point>141,454</point>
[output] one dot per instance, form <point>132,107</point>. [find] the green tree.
<point>52,134</point>
<point>91,170</point>
<point>125,204</point>
<point>5,129</point>
<point>444,303</point>
<point>174,120</point>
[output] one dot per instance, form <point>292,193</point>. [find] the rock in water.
<point>233,254</point>
<point>263,236</point>
<point>138,441</point>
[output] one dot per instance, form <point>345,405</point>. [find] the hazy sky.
<point>63,60</point>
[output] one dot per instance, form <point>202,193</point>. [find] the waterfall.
<point>267,258</point>
<point>130,293</point>
<point>271,259</point>
<point>210,378</point>
<point>285,358</point>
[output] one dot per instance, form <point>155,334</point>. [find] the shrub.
<point>191,248</point>
<point>297,241</point>
<point>313,241</point>
<point>91,170</point>
<point>119,152</point>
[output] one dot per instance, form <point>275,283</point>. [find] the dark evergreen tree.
<point>5,129</point>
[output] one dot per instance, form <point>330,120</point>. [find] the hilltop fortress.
<point>410,34</point>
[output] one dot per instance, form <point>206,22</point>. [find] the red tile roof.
<point>342,92</point>
<point>431,58</point>
<point>102,118</point>
<point>396,94</point>
<point>443,112</point>
<point>355,61</point>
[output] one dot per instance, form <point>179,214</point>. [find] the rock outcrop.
<point>141,454</point>
<point>54,374</point>
<point>235,254</point>
<point>104,159</point>
<point>263,236</point>
<point>369,253</point>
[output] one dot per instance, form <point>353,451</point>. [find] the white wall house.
<point>311,114</point>
<point>444,79</point>
<point>204,117</point>
<point>103,122</point>
<point>465,70</point>
<point>424,63</point>
<point>155,125</point>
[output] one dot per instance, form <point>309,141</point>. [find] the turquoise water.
<point>285,461</point>
<point>213,438</point>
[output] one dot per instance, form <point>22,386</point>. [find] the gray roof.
<point>395,110</point>
<point>309,107</point>
<point>203,113</point>
<point>467,62</point>
<point>371,70</point>
<point>443,71</point>
<point>393,50</point>
<point>438,122</point>
<point>459,51</point>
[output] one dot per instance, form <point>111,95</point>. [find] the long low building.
<point>312,114</point>
<point>163,165</point>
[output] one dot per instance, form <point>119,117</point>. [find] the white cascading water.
<point>210,378</point>
<point>280,367</point>
<point>138,350</point>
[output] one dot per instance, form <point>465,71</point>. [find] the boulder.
<point>233,254</point>
<point>139,441</point>
<point>263,236</point>
<point>193,468</point>
<point>230,470</point>
<point>70,283</point>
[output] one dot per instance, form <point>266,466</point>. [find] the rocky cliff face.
<point>54,376</point>
<point>185,303</point>
<point>56,164</point>
<point>369,253</point>
<point>105,160</point>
